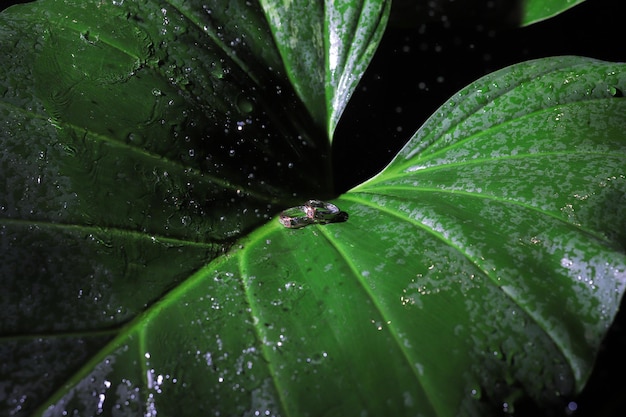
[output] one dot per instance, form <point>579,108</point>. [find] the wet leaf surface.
<point>482,266</point>
<point>326,47</point>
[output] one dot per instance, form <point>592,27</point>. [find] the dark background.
<point>418,66</point>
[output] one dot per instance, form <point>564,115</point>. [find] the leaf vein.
<point>384,210</point>
<point>380,188</point>
<point>95,230</point>
<point>368,291</point>
<point>501,93</point>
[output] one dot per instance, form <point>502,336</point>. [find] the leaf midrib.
<point>379,190</point>
<point>437,136</point>
<point>254,314</point>
<point>96,230</point>
<point>379,308</point>
<point>413,169</point>
<point>213,36</point>
<point>556,340</point>
<point>142,152</point>
<point>539,323</point>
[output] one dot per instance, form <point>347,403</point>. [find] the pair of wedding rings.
<point>311,212</point>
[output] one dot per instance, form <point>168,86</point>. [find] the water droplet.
<point>243,104</point>
<point>135,138</point>
<point>615,92</point>
<point>217,70</point>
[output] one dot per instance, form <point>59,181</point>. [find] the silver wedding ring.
<point>311,212</point>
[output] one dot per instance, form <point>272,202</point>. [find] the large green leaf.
<point>139,140</point>
<point>326,47</point>
<point>523,175</point>
<point>482,266</point>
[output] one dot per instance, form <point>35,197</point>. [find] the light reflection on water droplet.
<point>572,406</point>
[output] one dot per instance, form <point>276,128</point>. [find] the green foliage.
<point>534,11</point>
<point>147,148</point>
<point>326,47</point>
